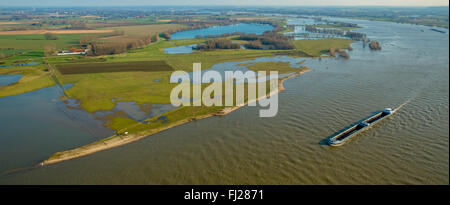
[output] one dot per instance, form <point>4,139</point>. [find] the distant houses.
<point>73,51</point>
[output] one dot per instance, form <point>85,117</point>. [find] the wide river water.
<point>412,147</point>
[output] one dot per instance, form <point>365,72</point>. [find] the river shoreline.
<point>118,140</point>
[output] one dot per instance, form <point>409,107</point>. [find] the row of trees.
<point>338,23</point>
<point>122,45</point>
<point>314,29</point>
<point>218,44</point>
<point>72,24</point>
<point>344,24</point>
<point>356,36</point>
<point>352,35</point>
<point>270,40</point>
<point>117,42</point>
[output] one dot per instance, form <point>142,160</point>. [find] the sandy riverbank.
<point>116,140</point>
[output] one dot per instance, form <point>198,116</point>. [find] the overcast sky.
<point>224,2</point>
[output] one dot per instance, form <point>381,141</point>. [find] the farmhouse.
<point>73,51</point>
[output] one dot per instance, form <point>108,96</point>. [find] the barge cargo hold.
<point>342,137</point>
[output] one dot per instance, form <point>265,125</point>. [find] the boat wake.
<point>405,103</point>
<point>19,170</point>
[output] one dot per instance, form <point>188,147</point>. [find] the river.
<point>219,30</point>
<point>412,147</point>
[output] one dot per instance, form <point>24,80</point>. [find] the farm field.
<point>11,52</point>
<point>69,31</point>
<point>9,23</point>
<point>144,66</point>
<point>38,41</point>
<point>27,55</point>
<point>145,30</point>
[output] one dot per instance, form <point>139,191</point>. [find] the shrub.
<point>50,36</point>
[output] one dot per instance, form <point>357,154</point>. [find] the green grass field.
<point>37,41</point>
<point>135,66</point>
<point>318,47</point>
<point>4,53</point>
<point>145,30</point>
<point>27,55</point>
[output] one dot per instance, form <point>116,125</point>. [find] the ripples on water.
<point>409,148</point>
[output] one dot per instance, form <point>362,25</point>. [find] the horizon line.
<point>227,5</point>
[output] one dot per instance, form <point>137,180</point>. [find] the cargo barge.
<point>342,137</point>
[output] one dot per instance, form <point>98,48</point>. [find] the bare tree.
<point>50,36</point>
<point>49,49</point>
